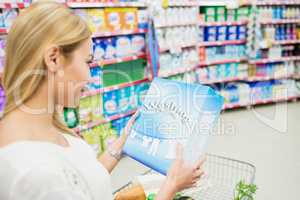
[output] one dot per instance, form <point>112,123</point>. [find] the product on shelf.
<point>176,16</point>
<point>258,92</point>
<point>187,77</point>
<point>273,70</point>
<point>278,12</point>
<point>220,53</point>
<point>118,47</point>
<point>223,33</point>
<point>222,72</point>
<point>222,14</point>
<point>7,16</point>
<point>177,37</point>
<point>169,63</point>
<point>113,19</point>
<point>279,51</point>
<point>123,100</point>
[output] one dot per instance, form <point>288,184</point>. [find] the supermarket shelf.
<point>281,21</point>
<point>182,47</point>
<point>103,121</point>
<point>223,80</point>
<point>103,5</point>
<point>175,25</point>
<point>220,43</point>
<point>178,71</point>
<point>118,60</point>
<point>281,42</point>
<point>264,61</point>
<point>116,33</point>
<point>3,31</point>
<point>244,22</point>
<point>9,5</point>
<point>261,102</point>
<point>111,88</point>
<point>204,64</point>
<point>182,4</point>
<point>271,3</point>
<point>247,79</point>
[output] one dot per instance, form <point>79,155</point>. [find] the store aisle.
<point>253,140</point>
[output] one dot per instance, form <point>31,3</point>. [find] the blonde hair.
<point>42,24</point>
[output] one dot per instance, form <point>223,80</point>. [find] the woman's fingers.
<point>201,161</point>
<point>198,174</point>
<point>131,122</point>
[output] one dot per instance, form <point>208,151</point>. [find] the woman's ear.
<point>51,58</point>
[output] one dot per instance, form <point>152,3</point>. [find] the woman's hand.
<point>128,127</point>
<point>110,158</point>
<point>180,176</point>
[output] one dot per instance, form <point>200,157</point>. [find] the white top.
<point>46,171</point>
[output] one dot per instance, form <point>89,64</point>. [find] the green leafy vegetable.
<point>244,191</point>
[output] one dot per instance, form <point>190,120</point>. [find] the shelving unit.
<point>232,106</point>
<point>221,43</point>
<point>204,64</point>
<point>111,88</point>
<point>90,125</point>
<point>9,5</point>
<point>118,60</point>
<point>106,5</point>
<point>281,21</point>
<point>118,33</point>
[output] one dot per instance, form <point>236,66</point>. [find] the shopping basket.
<point>222,176</point>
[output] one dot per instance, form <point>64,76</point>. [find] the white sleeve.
<point>39,184</point>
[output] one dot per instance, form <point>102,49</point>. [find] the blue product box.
<point>211,30</point>
<point>232,30</point>
<point>242,36</point>
<point>141,91</point>
<point>142,19</point>
<point>232,36</point>
<point>228,70</point>
<point>210,38</point>
<point>222,37</point>
<point>133,99</point>
<point>96,74</point>
<point>221,29</point>
<point>241,29</point>
<point>124,99</point>
<point>110,103</point>
<point>109,44</point>
<point>98,49</point>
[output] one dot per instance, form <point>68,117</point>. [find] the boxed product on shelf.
<point>228,52</point>
<point>222,14</point>
<point>280,32</point>
<point>278,12</point>
<point>236,93</point>
<point>123,100</point>
<point>7,16</point>
<point>223,33</point>
<point>174,16</point>
<point>177,37</point>
<point>222,72</point>
<point>118,47</point>
<point>121,19</point>
<point>172,62</point>
<point>90,109</point>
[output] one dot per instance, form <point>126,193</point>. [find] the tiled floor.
<point>266,136</point>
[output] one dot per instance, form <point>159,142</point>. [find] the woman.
<point>47,55</point>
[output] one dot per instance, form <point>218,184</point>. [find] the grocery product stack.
<point>177,35</point>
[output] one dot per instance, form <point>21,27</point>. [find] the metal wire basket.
<point>223,174</point>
